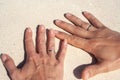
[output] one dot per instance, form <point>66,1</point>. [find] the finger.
<point>93,20</point>
<point>90,27</point>
<point>62,51</point>
<point>78,22</point>
<point>74,30</point>
<point>8,63</point>
<point>51,43</point>
<point>74,40</point>
<point>29,44</point>
<point>93,70</point>
<point>41,43</point>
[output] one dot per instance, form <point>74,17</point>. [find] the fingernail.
<point>67,14</point>
<point>83,12</point>
<point>28,29</point>
<point>57,21</point>
<point>42,27</point>
<point>3,57</point>
<point>51,31</point>
<point>38,26</point>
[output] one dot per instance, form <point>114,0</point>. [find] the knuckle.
<point>93,42</point>
<point>77,29</point>
<point>71,38</point>
<point>28,39</point>
<point>49,61</point>
<point>42,53</point>
<point>44,58</point>
<point>40,41</point>
<point>32,57</point>
<point>51,46</point>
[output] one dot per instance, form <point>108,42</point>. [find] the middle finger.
<point>40,40</point>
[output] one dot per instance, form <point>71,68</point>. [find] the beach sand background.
<point>16,15</point>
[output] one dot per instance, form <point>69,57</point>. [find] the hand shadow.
<point>78,70</point>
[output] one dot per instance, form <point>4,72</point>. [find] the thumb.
<point>8,63</point>
<point>92,70</point>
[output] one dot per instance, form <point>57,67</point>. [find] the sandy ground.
<point>16,15</point>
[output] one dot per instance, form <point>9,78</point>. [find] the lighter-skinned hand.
<point>42,63</point>
<point>96,39</point>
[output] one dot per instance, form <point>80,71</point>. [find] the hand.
<point>41,62</point>
<point>96,39</point>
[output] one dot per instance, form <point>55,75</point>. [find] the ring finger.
<point>78,22</point>
<point>51,43</point>
<point>40,44</point>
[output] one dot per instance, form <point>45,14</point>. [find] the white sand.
<point>16,15</point>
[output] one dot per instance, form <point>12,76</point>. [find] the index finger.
<point>74,40</point>
<point>40,40</point>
